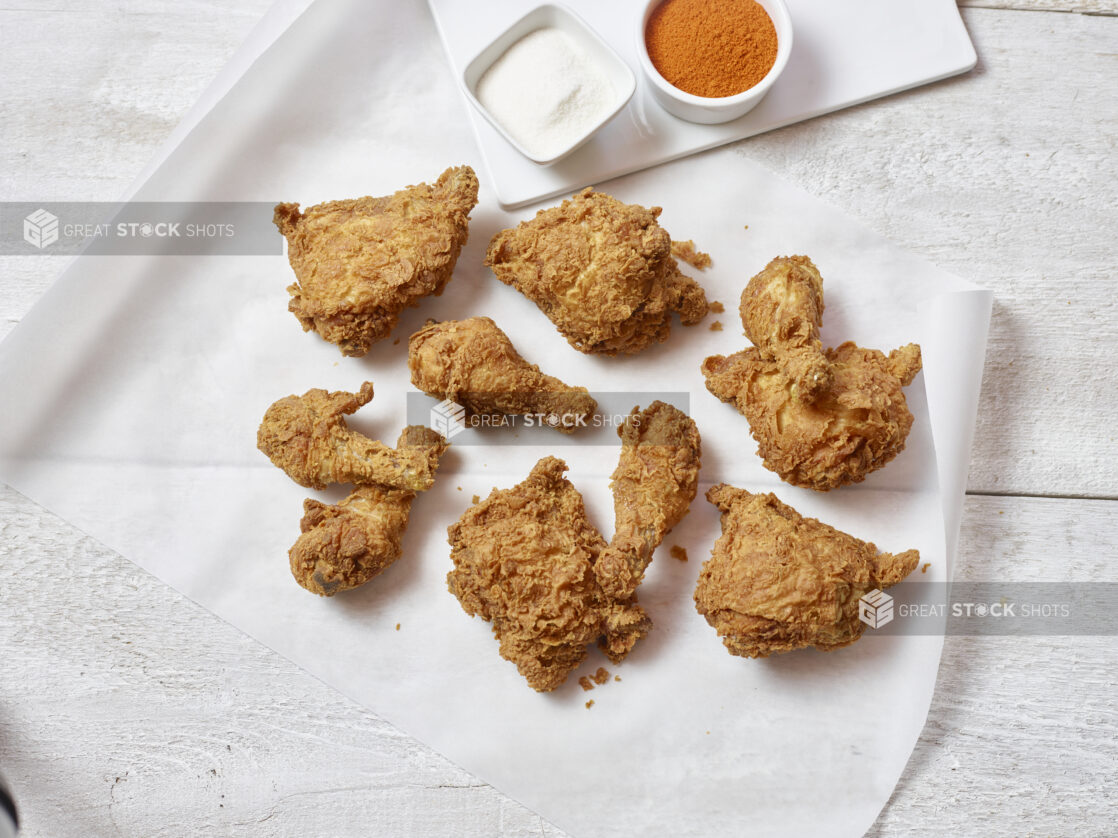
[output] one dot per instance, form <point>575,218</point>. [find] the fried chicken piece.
<point>777,581</point>
<point>601,270</point>
<point>782,310</point>
<point>524,560</point>
<point>360,262</point>
<point>854,428</point>
<point>346,545</point>
<point>653,485</point>
<point>307,437</point>
<point>473,363</point>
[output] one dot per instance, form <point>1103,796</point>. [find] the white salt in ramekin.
<point>553,15</point>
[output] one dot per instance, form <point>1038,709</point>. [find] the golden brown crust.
<point>524,560</point>
<point>822,419</point>
<point>855,428</point>
<point>473,363</point>
<point>360,262</point>
<point>601,270</point>
<point>777,581</point>
<point>347,544</point>
<point>782,310</point>
<point>653,485</point>
<point>308,438</point>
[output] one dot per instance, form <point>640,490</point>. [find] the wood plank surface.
<point>127,710</point>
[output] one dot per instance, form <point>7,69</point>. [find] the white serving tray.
<point>845,53</point>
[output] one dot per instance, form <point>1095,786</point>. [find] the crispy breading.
<point>777,581</point>
<point>821,419</point>
<point>347,544</point>
<point>473,363</point>
<point>782,310</point>
<point>360,262</point>
<point>524,560</point>
<point>653,485</point>
<point>307,437</point>
<point>854,428</point>
<point>601,270</point>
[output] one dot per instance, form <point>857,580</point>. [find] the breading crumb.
<point>717,307</point>
<point>476,499</point>
<point>395,341</point>
<point>585,682</point>
<point>695,258</point>
<point>397,627</point>
<point>924,569</point>
<point>678,552</point>
<point>601,676</point>
<point>716,326</point>
<point>589,704</point>
<point>616,677</point>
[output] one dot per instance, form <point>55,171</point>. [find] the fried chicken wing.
<point>782,310</point>
<point>601,270</point>
<point>360,262</point>
<point>814,436</point>
<point>653,485</point>
<point>307,437</point>
<point>347,544</point>
<point>777,581</point>
<point>472,362</point>
<point>524,560</point>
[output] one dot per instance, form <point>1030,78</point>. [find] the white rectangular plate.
<point>844,54</point>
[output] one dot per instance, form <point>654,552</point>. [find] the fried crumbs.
<point>687,252</point>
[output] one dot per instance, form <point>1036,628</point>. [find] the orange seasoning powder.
<point>711,48</point>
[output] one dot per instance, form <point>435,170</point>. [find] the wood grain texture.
<point>126,709</point>
<point>1088,7</point>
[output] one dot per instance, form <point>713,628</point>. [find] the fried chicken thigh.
<point>820,421</point>
<point>782,310</point>
<point>653,485</point>
<point>856,427</point>
<point>347,544</point>
<point>524,560</point>
<point>307,437</point>
<point>360,262</point>
<point>473,363</point>
<point>777,581</point>
<point>601,270</point>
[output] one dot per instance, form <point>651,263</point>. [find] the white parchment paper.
<point>132,392</point>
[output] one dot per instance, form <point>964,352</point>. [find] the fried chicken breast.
<point>601,270</point>
<point>524,560</point>
<point>777,581</point>
<point>359,263</point>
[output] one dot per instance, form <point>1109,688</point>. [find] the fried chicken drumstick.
<point>601,270</point>
<point>524,560</point>
<point>853,426</point>
<point>472,362</point>
<point>782,310</point>
<point>653,485</point>
<point>360,262</point>
<point>347,544</point>
<point>307,437</point>
<point>777,581</point>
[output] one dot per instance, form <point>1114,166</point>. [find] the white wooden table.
<point>126,709</point>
